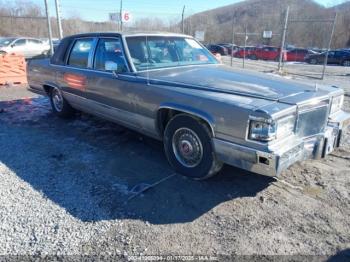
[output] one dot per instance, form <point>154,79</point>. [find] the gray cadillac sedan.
<point>168,86</point>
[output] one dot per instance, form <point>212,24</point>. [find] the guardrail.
<point>12,70</point>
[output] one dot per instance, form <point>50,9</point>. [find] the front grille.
<point>312,120</point>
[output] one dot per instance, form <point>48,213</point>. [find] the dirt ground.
<point>70,187</point>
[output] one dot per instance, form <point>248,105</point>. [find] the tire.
<point>277,59</point>
<point>59,104</point>
<point>313,61</point>
<point>253,57</point>
<point>346,63</point>
<point>189,149</point>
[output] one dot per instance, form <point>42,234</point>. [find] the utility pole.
<point>283,40</point>
<point>233,40</point>
<point>121,15</point>
<point>58,15</point>
<point>49,27</point>
<point>183,19</point>
<point>245,44</point>
<point>329,47</point>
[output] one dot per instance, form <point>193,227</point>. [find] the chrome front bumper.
<point>282,155</point>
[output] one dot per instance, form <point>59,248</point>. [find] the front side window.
<point>109,55</point>
<point>153,52</point>
<point>79,55</point>
<point>6,41</point>
<point>34,41</point>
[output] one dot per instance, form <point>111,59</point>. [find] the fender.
<point>189,110</point>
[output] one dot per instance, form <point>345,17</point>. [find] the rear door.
<point>331,58</point>
<point>73,77</point>
<point>36,47</point>
<point>339,56</point>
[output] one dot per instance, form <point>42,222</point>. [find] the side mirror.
<point>114,67</point>
<point>13,45</point>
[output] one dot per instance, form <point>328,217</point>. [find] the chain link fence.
<point>256,36</point>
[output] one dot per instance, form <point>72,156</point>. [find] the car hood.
<point>220,78</point>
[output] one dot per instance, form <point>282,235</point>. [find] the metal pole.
<point>121,14</point>
<point>283,39</point>
<point>49,27</point>
<point>233,40</point>
<point>183,19</point>
<point>329,47</point>
<point>245,44</point>
<point>58,15</point>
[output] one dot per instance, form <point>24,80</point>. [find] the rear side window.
<point>79,55</point>
<point>34,41</point>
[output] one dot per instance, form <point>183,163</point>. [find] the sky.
<point>98,10</point>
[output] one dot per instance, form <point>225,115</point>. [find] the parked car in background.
<point>217,49</point>
<point>169,87</point>
<point>266,53</point>
<point>248,51</point>
<point>338,57</point>
<point>28,47</point>
<point>296,54</point>
<point>231,48</point>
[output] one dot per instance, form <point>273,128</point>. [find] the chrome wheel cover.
<point>57,100</point>
<point>187,147</point>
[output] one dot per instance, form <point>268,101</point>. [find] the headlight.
<point>285,126</point>
<point>262,131</point>
<point>337,103</point>
<point>266,131</point>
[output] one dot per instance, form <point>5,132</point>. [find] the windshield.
<point>153,52</point>
<point>5,41</point>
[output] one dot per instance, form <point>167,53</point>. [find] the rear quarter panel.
<point>40,73</point>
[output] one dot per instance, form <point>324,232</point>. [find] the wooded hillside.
<point>218,24</point>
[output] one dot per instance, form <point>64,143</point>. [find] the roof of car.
<point>97,34</point>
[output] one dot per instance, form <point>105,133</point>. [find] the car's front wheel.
<point>59,104</point>
<point>189,149</point>
<point>346,63</point>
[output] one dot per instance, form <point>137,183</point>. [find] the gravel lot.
<point>69,187</point>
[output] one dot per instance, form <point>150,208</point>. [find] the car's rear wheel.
<point>313,61</point>
<point>189,149</point>
<point>59,104</point>
<point>346,63</point>
<point>253,57</point>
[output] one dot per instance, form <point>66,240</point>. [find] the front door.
<point>111,85</point>
<point>20,47</point>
